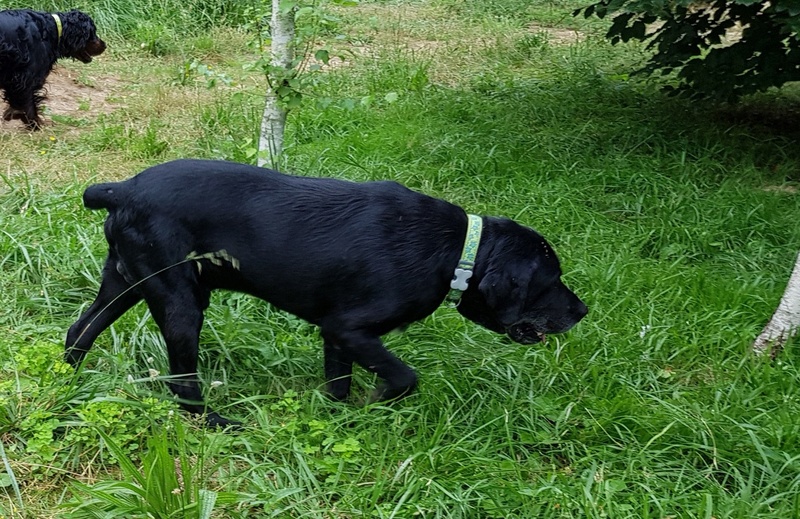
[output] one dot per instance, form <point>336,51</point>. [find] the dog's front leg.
<point>338,369</point>
<point>368,351</point>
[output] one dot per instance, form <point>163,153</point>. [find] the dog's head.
<point>79,37</point>
<point>519,290</point>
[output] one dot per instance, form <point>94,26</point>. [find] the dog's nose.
<point>581,310</point>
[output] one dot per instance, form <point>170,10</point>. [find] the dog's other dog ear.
<point>505,289</point>
<point>499,298</point>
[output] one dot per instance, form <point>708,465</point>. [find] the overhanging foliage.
<point>722,49</point>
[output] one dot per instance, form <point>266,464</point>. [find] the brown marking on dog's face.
<point>93,48</point>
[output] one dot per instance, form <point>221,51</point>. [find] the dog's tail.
<point>104,196</point>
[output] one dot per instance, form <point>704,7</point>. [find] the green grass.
<point>675,222</point>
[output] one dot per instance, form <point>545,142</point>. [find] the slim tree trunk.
<point>786,319</point>
<point>274,120</point>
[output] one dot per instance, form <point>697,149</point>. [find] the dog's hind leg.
<point>24,104</point>
<point>24,98</point>
<point>114,298</point>
<point>338,368</point>
<point>368,351</point>
<point>12,113</point>
<point>177,301</point>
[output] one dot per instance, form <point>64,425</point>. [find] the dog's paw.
<point>386,393</point>
<point>12,113</point>
<point>215,421</point>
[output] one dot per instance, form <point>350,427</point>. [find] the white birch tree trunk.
<point>786,319</point>
<point>273,121</point>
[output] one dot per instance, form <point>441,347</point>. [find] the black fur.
<point>30,46</point>
<point>356,259</point>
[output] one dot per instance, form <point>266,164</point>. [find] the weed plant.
<point>676,222</point>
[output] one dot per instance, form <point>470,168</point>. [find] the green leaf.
<point>303,11</point>
<point>348,445</point>
<point>207,500</point>
<point>286,6</point>
<point>322,55</point>
<point>615,485</point>
<point>293,99</point>
<point>125,463</point>
<point>792,7</point>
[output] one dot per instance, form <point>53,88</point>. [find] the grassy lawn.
<point>676,222</point>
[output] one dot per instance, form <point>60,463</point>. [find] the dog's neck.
<point>466,264</point>
<point>59,27</point>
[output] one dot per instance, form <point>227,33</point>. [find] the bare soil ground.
<point>556,35</point>
<point>72,93</point>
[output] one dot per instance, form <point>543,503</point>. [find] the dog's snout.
<point>96,47</point>
<point>581,309</point>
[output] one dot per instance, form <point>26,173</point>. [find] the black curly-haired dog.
<point>30,44</point>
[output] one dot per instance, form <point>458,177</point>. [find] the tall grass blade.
<point>12,477</point>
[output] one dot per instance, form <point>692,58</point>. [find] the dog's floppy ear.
<point>79,31</point>
<point>505,288</point>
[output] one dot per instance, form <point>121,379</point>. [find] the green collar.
<point>58,25</point>
<point>464,268</point>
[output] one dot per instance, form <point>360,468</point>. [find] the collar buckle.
<point>461,279</point>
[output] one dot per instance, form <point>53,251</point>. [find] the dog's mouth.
<point>525,333</point>
<point>94,48</point>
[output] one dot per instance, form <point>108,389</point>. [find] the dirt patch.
<point>786,188</point>
<point>557,35</point>
<point>72,94</point>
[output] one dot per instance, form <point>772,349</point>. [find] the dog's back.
<point>257,215</point>
<point>185,184</point>
<point>15,37</point>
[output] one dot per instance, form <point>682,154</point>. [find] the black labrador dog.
<point>30,44</point>
<point>356,259</point>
